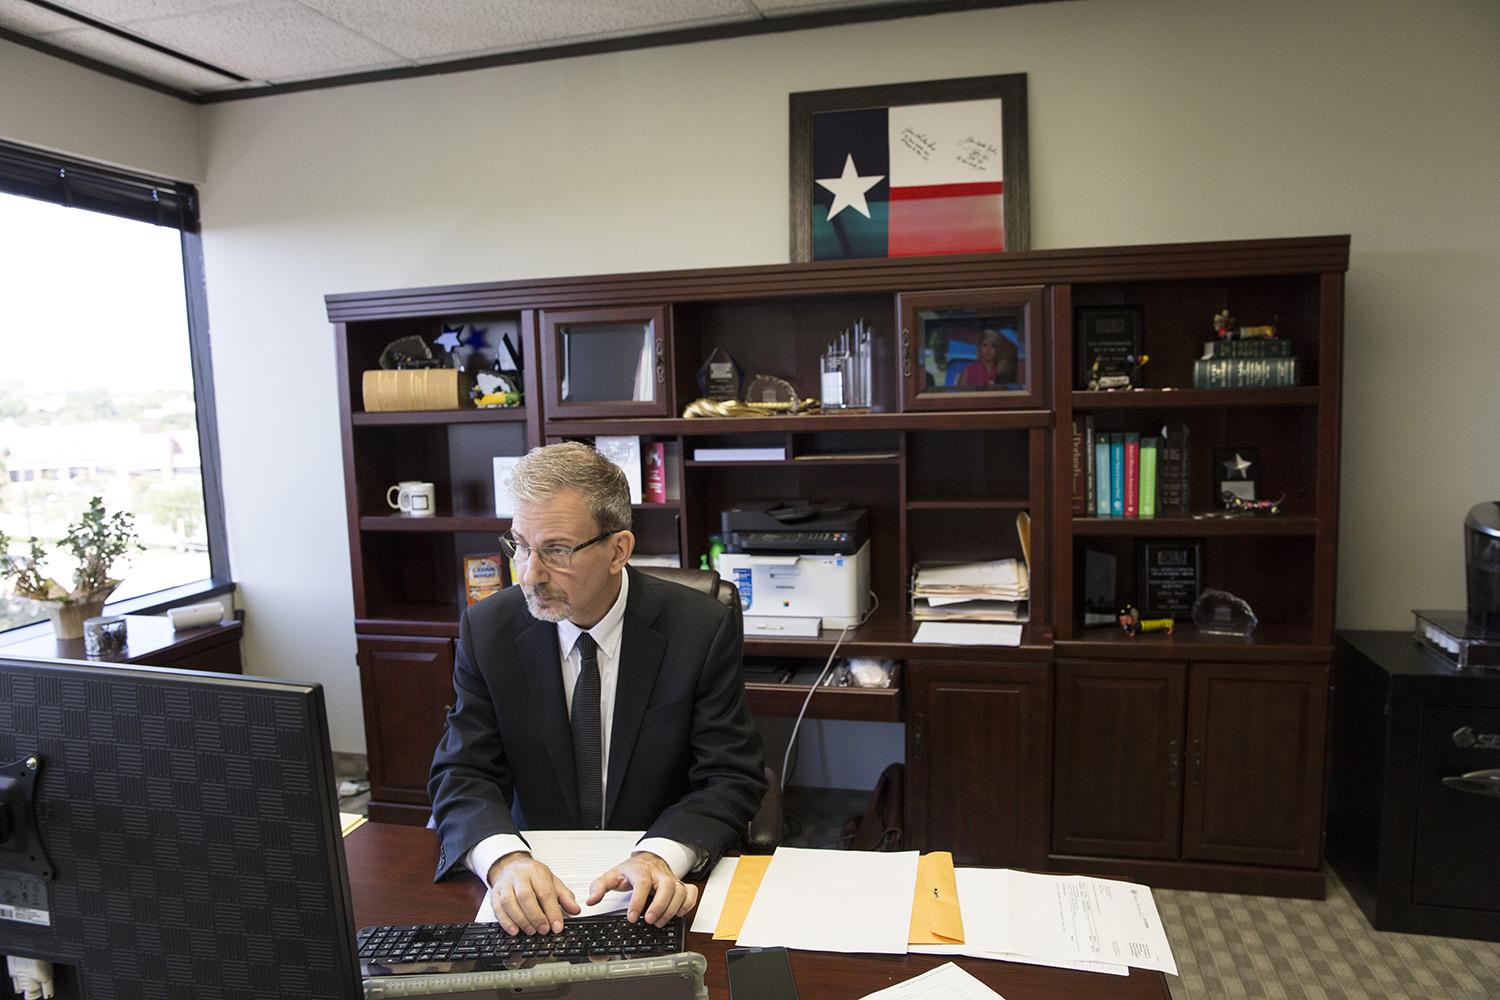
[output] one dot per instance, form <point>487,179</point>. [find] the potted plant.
<point>96,540</point>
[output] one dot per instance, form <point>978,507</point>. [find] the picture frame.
<point>972,349</point>
<point>953,151</point>
<point>1169,577</point>
<point>1111,336</point>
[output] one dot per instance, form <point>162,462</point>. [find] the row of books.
<point>1255,363</point>
<point>1126,473</point>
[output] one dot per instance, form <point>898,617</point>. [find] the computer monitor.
<point>170,833</point>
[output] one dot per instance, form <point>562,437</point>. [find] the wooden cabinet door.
<point>1257,738</point>
<point>1118,750</point>
<point>977,762</point>
<point>408,689</point>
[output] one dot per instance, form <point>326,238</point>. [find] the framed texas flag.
<point>910,169</point>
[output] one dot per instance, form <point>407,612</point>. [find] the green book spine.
<point>1245,373</point>
<point>1147,503</point>
<point>1102,448</point>
<point>1274,347</point>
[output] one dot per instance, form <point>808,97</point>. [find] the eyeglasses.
<point>552,556</point>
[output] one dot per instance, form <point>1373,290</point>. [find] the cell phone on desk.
<point>760,974</point>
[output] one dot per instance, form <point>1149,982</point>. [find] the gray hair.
<point>544,472</point>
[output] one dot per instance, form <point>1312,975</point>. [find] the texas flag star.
<point>849,190</point>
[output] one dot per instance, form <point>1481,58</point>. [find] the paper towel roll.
<point>195,615</point>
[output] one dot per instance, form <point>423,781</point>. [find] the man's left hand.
<point>647,876</point>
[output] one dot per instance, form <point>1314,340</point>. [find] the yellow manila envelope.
<point>748,872</point>
<point>935,916</point>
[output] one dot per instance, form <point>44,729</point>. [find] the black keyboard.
<point>439,948</point>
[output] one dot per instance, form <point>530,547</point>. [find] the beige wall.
<point>1152,120</point>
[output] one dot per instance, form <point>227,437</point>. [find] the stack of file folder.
<point>995,591</point>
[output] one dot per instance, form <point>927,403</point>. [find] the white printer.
<point>799,566</point>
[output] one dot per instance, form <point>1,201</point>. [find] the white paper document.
<point>711,899</point>
<point>968,634</point>
<point>946,982</point>
<point>1074,921</point>
<point>871,893</point>
<point>578,857</point>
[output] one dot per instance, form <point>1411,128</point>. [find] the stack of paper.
<point>995,591</point>
<point>891,903</point>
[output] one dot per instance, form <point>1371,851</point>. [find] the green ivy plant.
<point>96,540</point>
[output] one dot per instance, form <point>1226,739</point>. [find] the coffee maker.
<point>1482,564</point>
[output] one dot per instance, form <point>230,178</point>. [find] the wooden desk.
<point>150,641</point>
<point>390,879</point>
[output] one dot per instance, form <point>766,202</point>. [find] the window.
<point>106,388</point>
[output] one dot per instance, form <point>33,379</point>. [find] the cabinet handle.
<point>1197,763</point>
<point>905,353</point>
<point>1174,763</point>
<point>916,736</point>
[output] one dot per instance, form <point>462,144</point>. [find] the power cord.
<point>786,775</point>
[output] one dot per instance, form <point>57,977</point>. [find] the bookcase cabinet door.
<point>1117,785</point>
<point>408,690</point>
<point>977,761</point>
<point>1255,764</point>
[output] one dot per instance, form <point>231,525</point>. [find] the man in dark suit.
<point>679,757</point>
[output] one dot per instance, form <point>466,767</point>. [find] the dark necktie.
<point>587,753</point>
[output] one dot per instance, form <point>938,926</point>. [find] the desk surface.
<point>390,878</point>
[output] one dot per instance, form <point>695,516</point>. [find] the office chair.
<point>768,825</point>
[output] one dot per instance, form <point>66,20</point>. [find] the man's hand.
<point>646,876</point>
<point>527,896</point>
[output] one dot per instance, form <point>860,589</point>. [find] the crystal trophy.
<point>1219,612</point>
<point>720,377</point>
<point>1172,472</point>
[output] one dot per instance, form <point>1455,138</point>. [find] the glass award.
<point>1218,612</point>
<point>1172,472</point>
<point>720,377</point>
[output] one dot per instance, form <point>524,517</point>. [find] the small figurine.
<point>1224,325</point>
<point>1132,623</point>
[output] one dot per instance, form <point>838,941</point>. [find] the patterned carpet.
<point>1256,947</point>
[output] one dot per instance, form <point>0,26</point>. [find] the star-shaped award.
<point>849,189</point>
<point>1236,467</point>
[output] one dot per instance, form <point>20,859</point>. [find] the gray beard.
<point>560,611</point>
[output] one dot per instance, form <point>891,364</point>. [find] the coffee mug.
<point>413,498</point>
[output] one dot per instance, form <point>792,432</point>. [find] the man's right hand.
<point>527,897</point>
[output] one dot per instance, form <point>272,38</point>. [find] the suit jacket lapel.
<point>642,648</point>
<point>541,666</point>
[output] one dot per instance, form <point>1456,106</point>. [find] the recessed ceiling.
<point>210,50</point>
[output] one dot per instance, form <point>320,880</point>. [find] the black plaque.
<point>1171,577</point>
<point>1110,335</point>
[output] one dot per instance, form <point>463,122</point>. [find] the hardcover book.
<point>1255,347</point>
<point>1080,466</point>
<point>1117,475</point>
<point>1132,474</point>
<point>1245,373</point>
<point>1147,503</point>
<point>1102,443</point>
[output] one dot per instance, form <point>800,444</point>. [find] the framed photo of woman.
<point>973,349</point>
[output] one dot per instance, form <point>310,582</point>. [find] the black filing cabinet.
<point>1413,817</point>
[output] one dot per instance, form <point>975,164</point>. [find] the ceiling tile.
<point>435,29</point>
<point>124,54</point>
<point>274,40</point>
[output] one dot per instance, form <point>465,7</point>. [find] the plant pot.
<point>68,616</point>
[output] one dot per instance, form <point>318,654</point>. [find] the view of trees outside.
<point>96,393</point>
